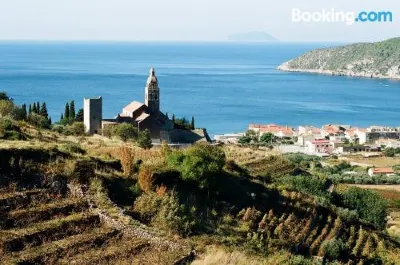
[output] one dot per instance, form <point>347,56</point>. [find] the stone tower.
<point>93,114</point>
<point>152,92</point>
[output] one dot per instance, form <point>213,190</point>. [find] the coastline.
<point>349,73</point>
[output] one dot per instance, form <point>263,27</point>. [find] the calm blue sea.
<point>225,86</point>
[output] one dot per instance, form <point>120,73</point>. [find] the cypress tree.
<point>173,118</point>
<point>72,111</point>
<point>43,110</point>
<point>24,112</point>
<point>49,121</point>
<point>30,109</point>
<point>66,112</point>
<point>166,114</point>
<point>192,123</point>
<point>34,108</point>
<point>62,117</point>
<point>38,107</point>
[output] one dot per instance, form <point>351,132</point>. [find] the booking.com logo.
<point>331,15</point>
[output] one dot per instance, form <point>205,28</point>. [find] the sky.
<point>187,20</point>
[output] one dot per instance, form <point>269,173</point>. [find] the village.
<point>331,140</point>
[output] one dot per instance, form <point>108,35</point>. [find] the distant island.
<point>254,36</point>
<point>372,60</point>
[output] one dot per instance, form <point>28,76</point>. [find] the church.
<point>143,116</point>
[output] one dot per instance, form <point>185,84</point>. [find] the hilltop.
<point>372,60</point>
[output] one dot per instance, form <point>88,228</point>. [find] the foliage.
<point>126,156</point>
<point>369,205</point>
<point>38,121</point>
<point>391,152</point>
<point>144,139</point>
<point>334,249</point>
<point>200,163</point>
<point>76,128</point>
<point>267,138</point>
<point>307,184</point>
<point>250,136</point>
<point>165,149</point>
<point>183,123</point>
<point>4,96</point>
<point>146,178</point>
<point>75,148</point>
<point>6,108</point>
<point>125,131</point>
<point>166,213</point>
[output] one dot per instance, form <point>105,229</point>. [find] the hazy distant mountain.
<point>252,36</point>
<point>374,60</point>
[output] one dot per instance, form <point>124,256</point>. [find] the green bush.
<point>200,163</point>
<point>144,139</point>
<point>6,108</point>
<point>334,249</point>
<point>76,128</point>
<point>166,212</point>
<point>307,184</point>
<point>38,121</point>
<point>58,128</point>
<point>74,148</point>
<point>125,131</point>
<point>369,205</point>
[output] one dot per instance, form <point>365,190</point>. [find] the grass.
<point>64,247</point>
<point>121,249</point>
<point>375,161</point>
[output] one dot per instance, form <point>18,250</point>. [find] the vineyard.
<point>39,226</point>
<point>297,224</point>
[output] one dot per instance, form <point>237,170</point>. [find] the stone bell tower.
<point>152,92</point>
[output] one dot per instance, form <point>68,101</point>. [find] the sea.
<point>224,86</point>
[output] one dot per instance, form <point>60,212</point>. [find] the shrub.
<point>166,213</point>
<point>199,163</point>
<point>6,108</point>
<point>76,128</point>
<point>146,179</point>
<point>310,185</point>
<point>125,131</point>
<point>144,139</point>
<point>38,121</point>
<point>58,128</point>
<point>347,215</point>
<point>126,156</point>
<point>108,131</point>
<point>369,205</point>
<point>334,249</point>
<point>83,171</point>
<point>267,138</point>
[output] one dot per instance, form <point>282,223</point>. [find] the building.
<point>93,115</point>
<point>376,171</point>
<point>358,149</point>
<point>309,130</point>
<point>143,116</point>
<point>302,139</point>
<point>319,146</point>
<point>388,143</point>
<point>276,130</point>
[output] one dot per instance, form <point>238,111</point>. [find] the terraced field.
<point>37,227</point>
<point>305,229</point>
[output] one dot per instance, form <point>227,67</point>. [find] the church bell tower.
<point>152,93</point>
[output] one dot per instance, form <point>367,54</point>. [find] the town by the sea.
<point>225,86</point>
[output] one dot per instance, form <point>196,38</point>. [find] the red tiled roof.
<point>383,170</point>
<point>320,141</point>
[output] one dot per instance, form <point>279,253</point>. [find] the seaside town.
<point>330,139</point>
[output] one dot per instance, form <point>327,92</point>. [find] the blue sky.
<point>185,20</point>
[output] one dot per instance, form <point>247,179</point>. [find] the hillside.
<point>69,198</point>
<point>372,60</point>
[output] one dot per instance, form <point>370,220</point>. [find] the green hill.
<point>373,60</point>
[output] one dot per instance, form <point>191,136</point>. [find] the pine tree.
<point>24,112</point>
<point>38,107</point>
<point>34,110</point>
<point>166,114</point>
<point>66,112</point>
<point>43,110</point>
<point>30,109</point>
<point>72,111</point>
<point>62,117</point>
<point>192,123</point>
